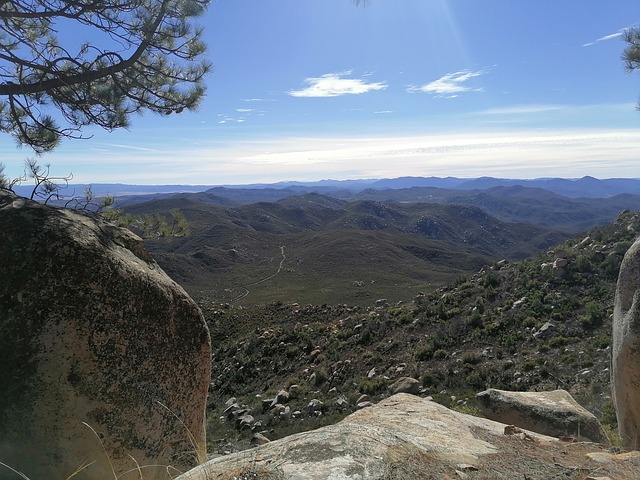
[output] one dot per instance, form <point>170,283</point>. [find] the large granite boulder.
<point>553,413</point>
<point>104,360</point>
<point>408,437</point>
<point>625,349</point>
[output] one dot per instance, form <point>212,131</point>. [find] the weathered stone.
<point>294,391</point>
<point>407,437</point>
<point>553,413</point>
<point>281,397</point>
<point>267,403</point>
<point>95,338</point>
<point>314,406</point>
<point>625,349</point>
<point>245,421</point>
<point>405,385</point>
<point>547,330</point>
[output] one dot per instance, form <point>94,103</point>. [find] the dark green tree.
<point>631,54</point>
<point>139,55</point>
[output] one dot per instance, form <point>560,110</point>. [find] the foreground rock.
<point>407,437</point>
<point>104,361</point>
<point>553,413</point>
<point>625,349</point>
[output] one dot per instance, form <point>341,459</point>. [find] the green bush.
<point>373,386</point>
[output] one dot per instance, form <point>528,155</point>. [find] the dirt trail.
<point>284,257</point>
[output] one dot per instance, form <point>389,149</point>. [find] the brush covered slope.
<point>536,324</point>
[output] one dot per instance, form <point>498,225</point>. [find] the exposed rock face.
<point>95,333</point>
<point>553,413</point>
<point>407,437</point>
<point>625,349</point>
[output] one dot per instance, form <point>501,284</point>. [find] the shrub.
<point>425,353</point>
<point>373,386</point>
<point>471,358</point>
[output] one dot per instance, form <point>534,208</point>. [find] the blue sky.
<point>315,89</point>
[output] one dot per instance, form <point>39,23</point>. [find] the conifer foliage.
<point>68,64</point>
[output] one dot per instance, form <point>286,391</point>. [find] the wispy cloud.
<point>611,36</point>
<point>335,85</point>
<point>244,110</point>
<point>451,84</point>
<point>522,109</point>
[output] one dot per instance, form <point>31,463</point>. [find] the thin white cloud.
<point>335,85</point>
<point>522,109</point>
<point>611,36</point>
<point>451,84</point>
<point>258,100</point>
<point>244,110</point>
<point>382,112</point>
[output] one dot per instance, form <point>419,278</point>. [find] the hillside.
<point>476,333</point>
<point>319,249</point>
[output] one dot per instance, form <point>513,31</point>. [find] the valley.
<point>336,299</point>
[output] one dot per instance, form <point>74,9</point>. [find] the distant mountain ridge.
<point>585,187</point>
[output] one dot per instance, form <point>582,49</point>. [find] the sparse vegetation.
<point>454,355</point>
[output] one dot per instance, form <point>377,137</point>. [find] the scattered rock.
<point>95,336</point>
<point>553,413</point>
<point>547,330</point>
<point>382,302</point>
<point>314,407</point>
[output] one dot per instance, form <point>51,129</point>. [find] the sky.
<point>324,89</point>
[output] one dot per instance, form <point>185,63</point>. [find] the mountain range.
<point>358,240</point>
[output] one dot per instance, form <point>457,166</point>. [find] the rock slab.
<point>105,360</point>
<point>625,349</point>
<point>408,437</point>
<point>553,413</point>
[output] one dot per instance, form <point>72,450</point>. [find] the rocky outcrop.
<point>625,349</point>
<point>105,361</point>
<point>553,413</point>
<point>407,437</point>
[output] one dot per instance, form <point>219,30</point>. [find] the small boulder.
<point>553,413</point>
<point>405,385</point>
<point>314,407</point>
<point>547,330</point>
<point>258,439</point>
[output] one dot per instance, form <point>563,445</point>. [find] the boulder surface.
<point>408,437</point>
<point>553,413</point>
<point>625,349</point>
<point>105,361</point>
